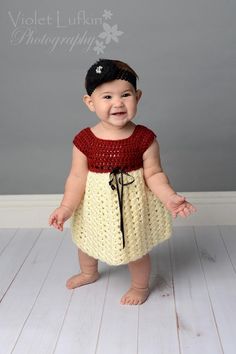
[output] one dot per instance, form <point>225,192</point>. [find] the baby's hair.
<point>105,70</point>
<point>124,66</point>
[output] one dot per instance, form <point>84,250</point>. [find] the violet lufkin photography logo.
<point>54,30</point>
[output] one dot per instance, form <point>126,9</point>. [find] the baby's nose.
<point>118,102</point>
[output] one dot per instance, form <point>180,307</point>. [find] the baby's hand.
<point>59,216</point>
<point>178,206</point>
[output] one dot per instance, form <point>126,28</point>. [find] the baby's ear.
<point>89,102</point>
<point>138,95</point>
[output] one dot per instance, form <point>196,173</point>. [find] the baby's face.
<point>115,102</point>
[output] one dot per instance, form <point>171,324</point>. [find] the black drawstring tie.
<point>118,171</point>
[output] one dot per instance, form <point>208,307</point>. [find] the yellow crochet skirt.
<point>95,224</point>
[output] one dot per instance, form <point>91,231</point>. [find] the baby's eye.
<point>126,94</point>
<point>107,97</point>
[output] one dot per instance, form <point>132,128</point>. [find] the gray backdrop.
<point>184,52</point>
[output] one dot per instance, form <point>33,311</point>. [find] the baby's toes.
<point>135,296</point>
<point>123,300</point>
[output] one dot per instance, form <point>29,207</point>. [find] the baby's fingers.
<point>188,210</point>
<point>58,225</point>
<point>182,213</point>
<point>51,219</point>
<point>56,222</point>
<point>191,208</point>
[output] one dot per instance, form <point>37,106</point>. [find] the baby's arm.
<point>159,184</point>
<point>74,190</point>
<point>76,181</point>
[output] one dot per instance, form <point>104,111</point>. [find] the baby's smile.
<point>119,113</point>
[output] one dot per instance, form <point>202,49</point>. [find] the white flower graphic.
<point>107,14</point>
<point>110,33</point>
<point>99,47</point>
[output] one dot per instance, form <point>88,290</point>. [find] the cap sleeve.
<point>145,138</point>
<point>81,141</point>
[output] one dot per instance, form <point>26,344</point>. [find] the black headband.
<point>105,70</point>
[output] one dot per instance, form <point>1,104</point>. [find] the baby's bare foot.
<point>135,296</point>
<point>81,279</point>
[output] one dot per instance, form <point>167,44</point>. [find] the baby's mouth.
<point>118,113</point>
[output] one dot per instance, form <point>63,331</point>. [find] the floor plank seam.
<point>8,243</point>
<point>226,248</point>
<point>137,344</point>
<point>103,307</point>
<point>207,288</point>
<point>37,296</point>
<point>173,290</point>
<point>22,264</point>
<point>63,322</point>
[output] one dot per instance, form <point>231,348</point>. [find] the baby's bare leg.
<point>140,273</point>
<point>89,271</point>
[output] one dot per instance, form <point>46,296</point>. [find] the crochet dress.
<point>119,219</point>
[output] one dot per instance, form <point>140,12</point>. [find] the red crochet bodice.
<point>105,155</point>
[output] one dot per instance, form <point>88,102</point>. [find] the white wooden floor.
<point>192,307</point>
